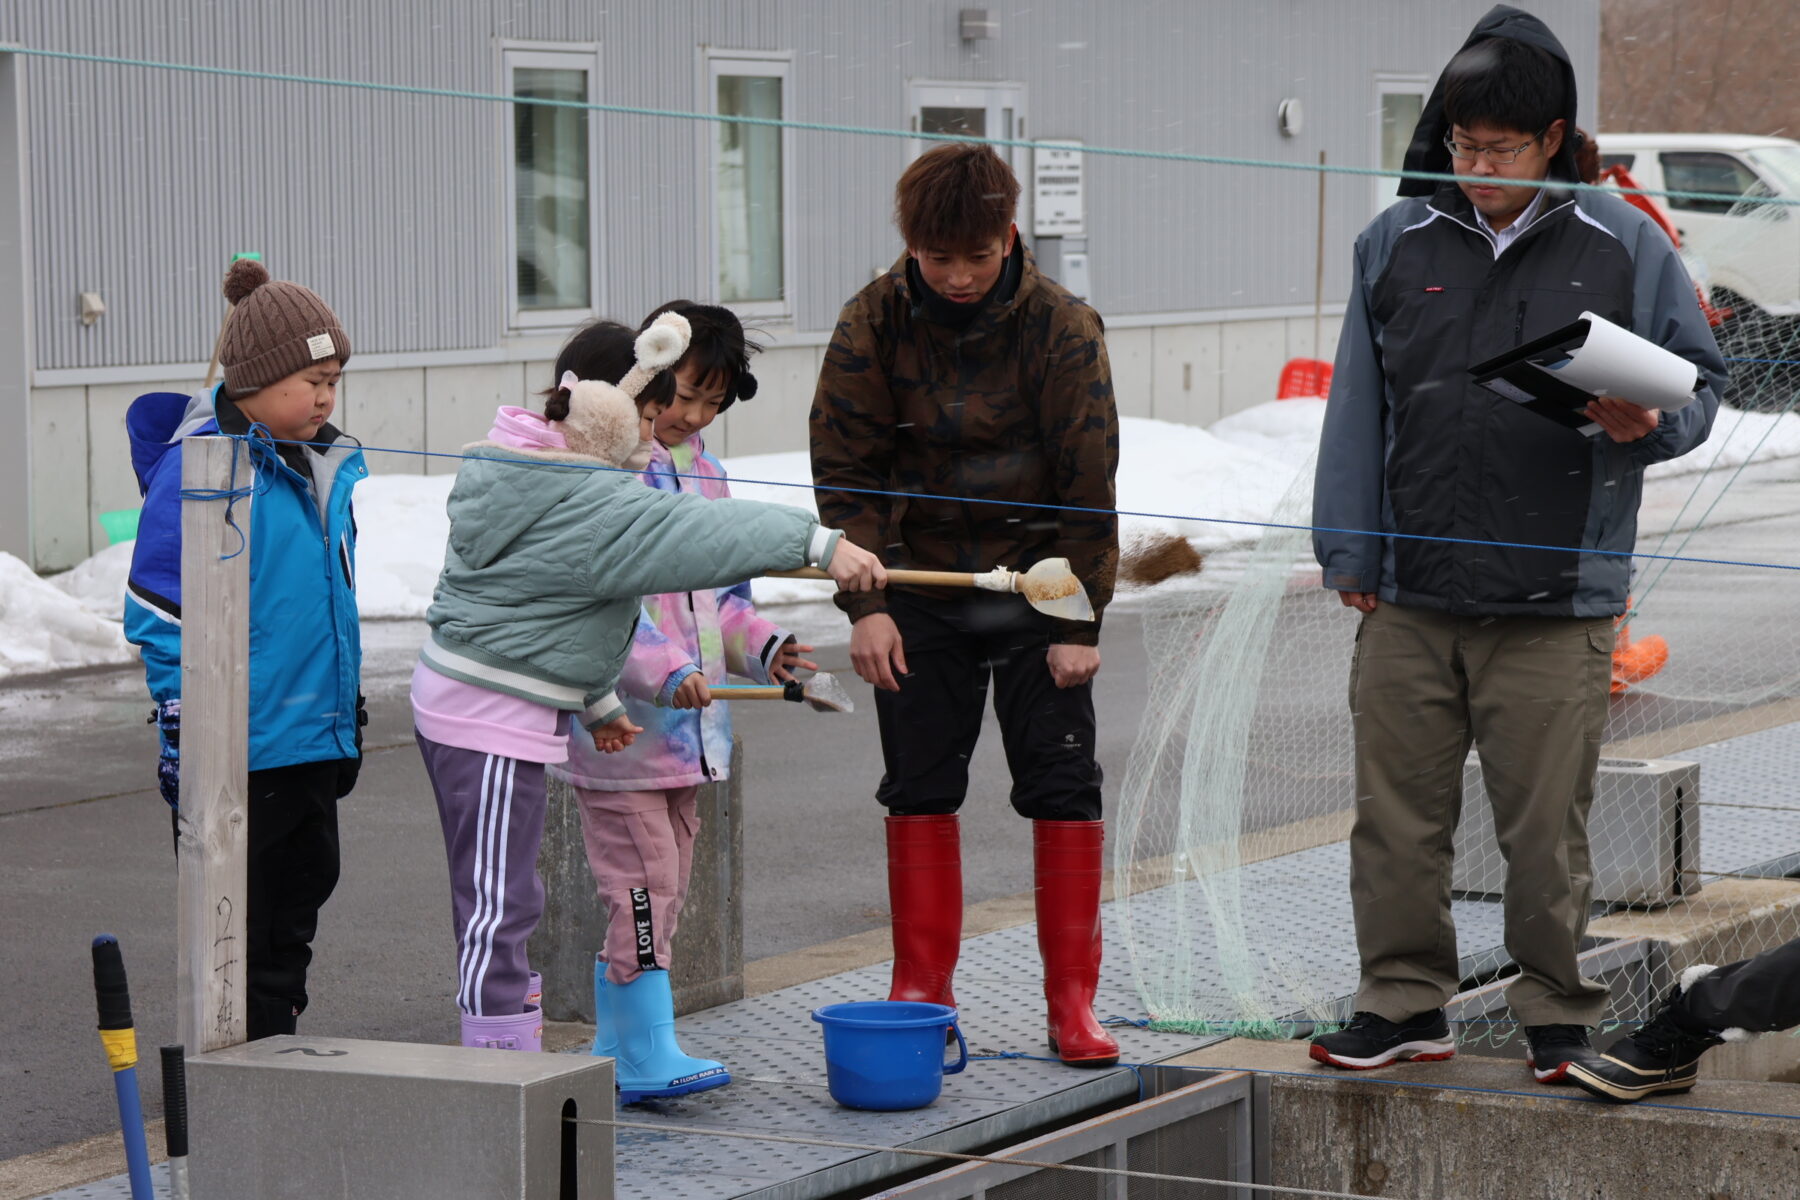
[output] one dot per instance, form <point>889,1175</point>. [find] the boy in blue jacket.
<point>282,352</point>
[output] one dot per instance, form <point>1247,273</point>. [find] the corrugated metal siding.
<point>393,207</point>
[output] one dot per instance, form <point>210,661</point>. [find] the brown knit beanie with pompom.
<point>275,329</point>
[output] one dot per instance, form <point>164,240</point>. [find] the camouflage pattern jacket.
<point>1015,408</point>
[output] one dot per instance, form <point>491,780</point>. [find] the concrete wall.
<point>1192,373</point>
<point>144,180</point>
<point>1200,269</point>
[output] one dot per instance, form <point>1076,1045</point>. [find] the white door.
<point>1399,100</point>
<point>982,110</point>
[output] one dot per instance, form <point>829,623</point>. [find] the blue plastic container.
<point>888,1055</point>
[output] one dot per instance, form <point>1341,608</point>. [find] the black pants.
<point>1761,994</point>
<point>929,728</point>
<point>292,870</point>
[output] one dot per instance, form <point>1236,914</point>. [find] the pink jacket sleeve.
<point>653,656</point>
<point>750,641</point>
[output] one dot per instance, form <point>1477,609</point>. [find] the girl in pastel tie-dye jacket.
<point>638,806</point>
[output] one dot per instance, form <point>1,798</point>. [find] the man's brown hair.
<point>956,196</point>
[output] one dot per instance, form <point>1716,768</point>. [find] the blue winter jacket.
<point>305,644</point>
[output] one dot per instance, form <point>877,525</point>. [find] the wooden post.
<point>215,745</point>
<point>17,527</point>
<point>1319,265</point>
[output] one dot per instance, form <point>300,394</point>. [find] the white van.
<point>1747,251</point>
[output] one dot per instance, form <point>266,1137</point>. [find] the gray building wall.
<point>142,183</point>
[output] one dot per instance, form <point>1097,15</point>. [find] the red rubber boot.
<point>925,894</point>
<point>1066,855</point>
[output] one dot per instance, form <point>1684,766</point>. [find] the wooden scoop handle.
<point>962,579</point>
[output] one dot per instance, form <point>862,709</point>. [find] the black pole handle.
<point>111,993</point>
<point>175,1115</point>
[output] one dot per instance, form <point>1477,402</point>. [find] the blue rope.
<point>1217,160</point>
<point>231,493</point>
<point>1108,512</point>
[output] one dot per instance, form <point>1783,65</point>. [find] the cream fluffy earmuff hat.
<point>603,417</point>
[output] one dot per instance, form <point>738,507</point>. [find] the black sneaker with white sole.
<point>1370,1041</point>
<point>1662,1057</point>
<point>1553,1048</point>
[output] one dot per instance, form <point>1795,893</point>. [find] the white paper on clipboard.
<point>1617,362</point>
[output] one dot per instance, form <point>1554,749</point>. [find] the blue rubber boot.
<point>606,1042</point>
<point>650,1065</point>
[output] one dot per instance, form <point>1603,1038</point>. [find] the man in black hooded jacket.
<point>1422,474</point>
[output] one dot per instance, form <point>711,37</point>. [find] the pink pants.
<point>640,847</point>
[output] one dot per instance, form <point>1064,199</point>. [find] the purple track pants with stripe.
<point>492,811</point>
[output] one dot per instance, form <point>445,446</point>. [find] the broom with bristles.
<point>1157,558</point>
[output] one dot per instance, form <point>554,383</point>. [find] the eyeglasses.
<point>1500,156</point>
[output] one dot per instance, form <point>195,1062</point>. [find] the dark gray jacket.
<point>1412,447</point>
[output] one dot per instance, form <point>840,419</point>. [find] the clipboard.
<point>1549,376</point>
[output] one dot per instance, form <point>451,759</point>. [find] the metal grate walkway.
<point>774,1048</point>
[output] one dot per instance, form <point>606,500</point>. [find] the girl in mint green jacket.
<point>553,543</point>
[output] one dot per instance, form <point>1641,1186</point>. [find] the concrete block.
<point>1480,1129</point>
<point>1643,833</point>
<point>709,943</point>
<point>1186,383</point>
<point>385,409</point>
<point>1132,355</point>
<point>60,513</point>
<point>1251,356</point>
<point>111,482</point>
<point>460,404</point>
<point>774,422</point>
<point>299,1117</point>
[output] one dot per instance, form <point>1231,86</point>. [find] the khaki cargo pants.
<point>1531,694</point>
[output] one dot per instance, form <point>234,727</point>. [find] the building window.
<point>552,188</point>
<point>1400,102</point>
<point>749,175</point>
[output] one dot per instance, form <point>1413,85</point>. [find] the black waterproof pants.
<point>929,728</point>
<point>1760,994</point>
<point>292,871</point>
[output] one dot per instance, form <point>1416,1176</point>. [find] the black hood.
<point>1427,152</point>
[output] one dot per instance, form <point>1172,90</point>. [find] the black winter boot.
<point>1663,1056</point>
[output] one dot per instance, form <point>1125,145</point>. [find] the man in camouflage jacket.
<point>978,390</point>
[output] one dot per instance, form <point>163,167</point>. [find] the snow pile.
<point>1187,480</point>
<point>1737,437</point>
<point>401,528</point>
<point>98,583</point>
<point>41,631</point>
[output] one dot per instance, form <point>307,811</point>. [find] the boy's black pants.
<point>292,870</point>
<point>929,728</point>
<point>1761,994</point>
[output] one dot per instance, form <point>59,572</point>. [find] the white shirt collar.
<point>1502,238</point>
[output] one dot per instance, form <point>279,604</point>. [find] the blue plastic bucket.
<point>887,1055</point>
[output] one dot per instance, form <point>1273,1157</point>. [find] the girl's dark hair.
<point>603,350</point>
<point>718,352</point>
